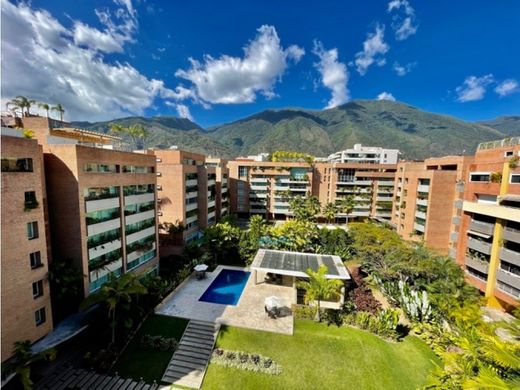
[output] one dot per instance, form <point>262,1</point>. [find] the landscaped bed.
<point>139,362</point>
<point>327,357</point>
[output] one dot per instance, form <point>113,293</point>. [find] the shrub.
<point>361,295</point>
<point>158,343</point>
<point>384,324</point>
<point>304,312</point>
<point>245,361</point>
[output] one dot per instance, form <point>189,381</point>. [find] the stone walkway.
<point>79,379</point>
<point>190,360</point>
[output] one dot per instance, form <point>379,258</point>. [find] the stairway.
<point>190,360</point>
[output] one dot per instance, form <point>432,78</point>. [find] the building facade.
<point>488,243</point>
<point>366,155</point>
<point>428,199</point>
<point>26,304</point>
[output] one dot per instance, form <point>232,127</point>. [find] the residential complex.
<point>365,154</point>
<point>428,200</point>
<point>26,304</point>
<point>261,187</point>
<point>192,193</point>
<point>488,240</point>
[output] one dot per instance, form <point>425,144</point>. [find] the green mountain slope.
<point>509,125</point>
<point>168,131</point>
<point>418,134</point>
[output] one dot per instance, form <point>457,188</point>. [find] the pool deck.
<point>248,313</point>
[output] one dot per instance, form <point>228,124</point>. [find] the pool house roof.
<point>296,263</point>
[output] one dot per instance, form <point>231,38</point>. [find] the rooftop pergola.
<point>296,264</point>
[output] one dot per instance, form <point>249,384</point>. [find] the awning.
<point>509,198</point>
<point>297,263</point>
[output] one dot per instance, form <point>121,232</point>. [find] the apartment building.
<point>488,243</point>
<point>261,187</point>
<point>366,155</point>
<point>192,193</point>
<point>26,304</point>
<point>428,200</point>
<point>102,204</point>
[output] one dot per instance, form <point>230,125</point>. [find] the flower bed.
<point>245,361</point>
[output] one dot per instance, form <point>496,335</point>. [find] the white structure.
<point>365,154</point>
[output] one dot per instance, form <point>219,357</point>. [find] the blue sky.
<point>217,62</point>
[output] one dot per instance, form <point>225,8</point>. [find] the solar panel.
<point>329,262</point>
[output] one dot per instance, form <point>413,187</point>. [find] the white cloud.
<point>473,88</point>
<point>44,60</point>
<point>402,70</point>
<point>374,49</point>
<point>184,112</point>
<point>334,74</point>
<point>403,25</point>
<point>386,96</point>
<point>229,80</point>
<point>507,87</point>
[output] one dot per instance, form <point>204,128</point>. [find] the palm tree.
<point>319,287</point>
<point>113,293</point>
<point>24,357</point>
<point>58,107</point>
<point>137,132</point>
<point>346,205</point>
<point>45,106</point>
<point>22,103</point>
<point>329,211</point>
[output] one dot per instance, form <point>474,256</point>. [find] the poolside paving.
<point>248,313</point>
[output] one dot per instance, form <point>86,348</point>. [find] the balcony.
<point>192,182</point>
<point>363,182</point>
<point>140,234</point>
<point>104,248</point>
<point>134,218</point>
<point>383,214</point>
<point>510,256</point>
<point>482,227</point>
<point>191,206</point>
<point>259,187</point>
<point>101,204</point>
<point>479,265</point>
<point>508,278</point>
<point>192,219</point>
<point>103,226</point>
<point>211,203</point>
<point>211,215</point>
<point>360,213</point>
<point>136,254</point>
<point>422,202</point>
<point>511,234</point>
<point>259,196</point>
<point>420,214</point>
<point>257,202</point>
<point>192,194</point>
<point>141,198</point>
<point>258,180</point>
<point>423,188</point>
<point>258,211</point>
<point>418,227</point>
<point>385,184</point>
<point>479,246</point>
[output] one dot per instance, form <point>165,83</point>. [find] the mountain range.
<point>416,133</point>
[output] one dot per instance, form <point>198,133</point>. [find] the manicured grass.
<point>138,362</point>
<point>325,357</point>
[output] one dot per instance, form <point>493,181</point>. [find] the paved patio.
<point>249,313</point>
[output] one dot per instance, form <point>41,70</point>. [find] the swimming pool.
<point>227,287</point>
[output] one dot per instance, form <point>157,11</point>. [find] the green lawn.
<point>137,362</point>
<point>325,357</point>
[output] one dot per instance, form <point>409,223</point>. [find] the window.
<point>101,168</point>
<point>190,176</point>
<point>39,316</point>
<point>30,201</point>
<point>242,171</point>
<point>515,178</point>
<point>37,289</point>
<point>509,153</point>
<point>36,260</point>
<point>476,177</point>
<point>17,165</point>
<point>32,230</point>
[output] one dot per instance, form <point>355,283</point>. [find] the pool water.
<point>227,287</point>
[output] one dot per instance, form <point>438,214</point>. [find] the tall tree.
<point>329,211</point>
<point>23,103</point>
<point>59,108</point>
<point>23,358</point>
<point>319,288</point>
<point>346,205</point>
<point>114,293</point>
<point>45,106</point>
